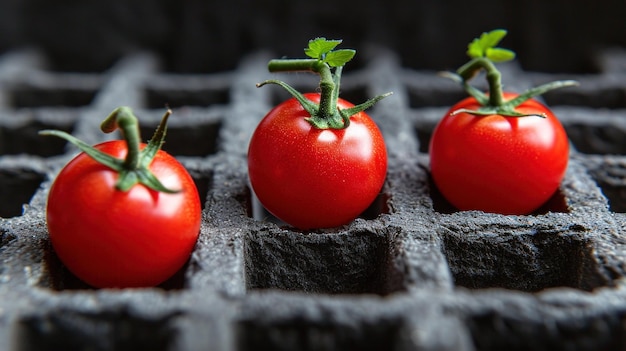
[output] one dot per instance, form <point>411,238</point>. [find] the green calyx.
<point>484,52</point>
<point>134,168</point>
<point>328,63</point>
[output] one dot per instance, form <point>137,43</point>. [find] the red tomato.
<point>316,178</point>
<point>111,238</point>
<point>507,165</point>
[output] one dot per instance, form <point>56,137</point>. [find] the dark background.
<point>206,36</point>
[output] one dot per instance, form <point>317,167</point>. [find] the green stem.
<point>292,65</point>
<point>134,168</point>
<point>122,118</point>
<point>328,64</point>
<point>484,53</point>
<point>495,103</point>
<point>494,78</point>
<point>328,102</point>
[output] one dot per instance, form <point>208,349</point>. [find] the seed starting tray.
<point>411,273</point>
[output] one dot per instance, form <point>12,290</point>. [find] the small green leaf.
<point>339,57</point>
<point>493,38</point>
<point>499,54</point>
<point>319,47</point>
<point>474,51</point>
<point>479,46</point>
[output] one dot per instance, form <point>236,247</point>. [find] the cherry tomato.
<point>113,238</point>
<point>316,178</point>
<point>507,165</point>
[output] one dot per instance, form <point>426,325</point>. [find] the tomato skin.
<point>312,178</point>
<point>114,239</point>
<point>498,164</point>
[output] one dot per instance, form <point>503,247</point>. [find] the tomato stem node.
<point>484,53</point>
<point>134,168</point>
<point>328,63</point>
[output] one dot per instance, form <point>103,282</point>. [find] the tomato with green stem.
<point>499,152</point>
<point>123,213</point>
<point>317,161</point>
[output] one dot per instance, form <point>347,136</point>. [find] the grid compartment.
<point>17,186</point>
<point>353,263</point>
<point>112,330</point>
<point>19,132</point>
<point>411,273</point>
<point>529,262</point>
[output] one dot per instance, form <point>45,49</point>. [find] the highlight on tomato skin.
<point>498,152</point>
<point>123,214</point>
<point>317,161</point>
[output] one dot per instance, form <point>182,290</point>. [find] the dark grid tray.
<point>410,274</point>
